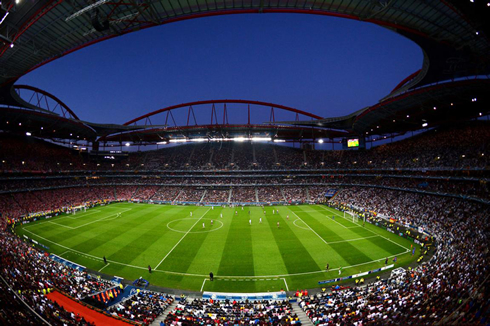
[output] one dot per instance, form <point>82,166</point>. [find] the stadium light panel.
<point>221,139</point>
<point>261,139</point>
<point>240,139</point>
<point>279,141</point>
<point>162,143</point>
<point>200,140</point>
<point>425,124</point>
<point>127,144</point>
<point>320,141</point>
<point>181,140</point>
<point>28,134</point>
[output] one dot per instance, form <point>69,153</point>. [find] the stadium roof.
<point>454,36</point>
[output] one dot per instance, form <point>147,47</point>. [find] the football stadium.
<point>272,210</point>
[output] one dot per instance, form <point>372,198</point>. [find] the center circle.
<point>301,227</point>
<point>204,230</point>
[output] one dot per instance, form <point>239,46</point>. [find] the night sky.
<point>324,65</point>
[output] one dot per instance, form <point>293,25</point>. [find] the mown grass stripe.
<point>295,256</point>
<point>267,257</point>
<point>349,251</point>
<point>237,258</point>
<point>385,246</point>
<point>206,260</point>
<point>184,254</point>
<point>321,225</point>
<point>255,249</point>
<point>98,236</point>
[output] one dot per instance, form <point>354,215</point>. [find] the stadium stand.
<point>210,312</point>
<point>422,181</point>
<point>447,288</point>
<point>144,307</point>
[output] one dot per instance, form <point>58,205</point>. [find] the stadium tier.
<point>462,147</point>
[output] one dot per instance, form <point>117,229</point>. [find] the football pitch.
<point>246,249</point>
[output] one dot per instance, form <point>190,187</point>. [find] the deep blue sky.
<point>328,66</point>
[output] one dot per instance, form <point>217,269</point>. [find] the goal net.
<point>78,208</point>
<point>351,216</point>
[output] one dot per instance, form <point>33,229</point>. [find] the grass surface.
<point>259,257</point>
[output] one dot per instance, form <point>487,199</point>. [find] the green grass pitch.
<point>244,257</point>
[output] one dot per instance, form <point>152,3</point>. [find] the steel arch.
<point>42,97</point>
<point>249,102</point>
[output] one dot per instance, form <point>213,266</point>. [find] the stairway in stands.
<point>162,317</point>
<point>305,321</point>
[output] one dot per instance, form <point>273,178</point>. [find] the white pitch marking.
<point>203,282</point>
<point>104,266</point>
<point>254,277</point>
<point>107,218</point>
<point>68,227</point>
<point>287,287</point>
<point>114,216</point>
<point>358,239</point>
<point>161,261</point>
<point>294,222</point>
<point>399,245</point>
<point>64,253</point>
<point>309,227</point>
<point>81,214</point>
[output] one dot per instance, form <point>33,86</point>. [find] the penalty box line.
<point>185,234</point>
<point>107,218</point>
<point>399,245</point>
<point>309,227</point>
<point>340,215</point>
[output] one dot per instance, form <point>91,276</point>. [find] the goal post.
<point>79,208</point>
<point>351,216</point>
